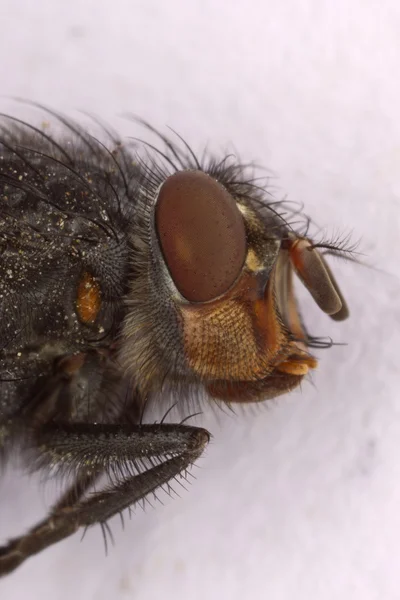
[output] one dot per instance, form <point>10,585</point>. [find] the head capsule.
<point>213,305</point>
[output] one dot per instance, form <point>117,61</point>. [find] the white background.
<point>300,499</point>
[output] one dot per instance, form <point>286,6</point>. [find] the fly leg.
<point>81,484</point>
<point>138,458</point>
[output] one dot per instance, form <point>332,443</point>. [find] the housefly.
<point>130,273</point>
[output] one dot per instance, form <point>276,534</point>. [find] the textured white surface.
<point>300,500</point>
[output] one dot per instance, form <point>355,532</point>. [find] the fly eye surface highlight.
<point>201,233</point>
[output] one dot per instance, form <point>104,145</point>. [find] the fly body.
<point>127,273</point>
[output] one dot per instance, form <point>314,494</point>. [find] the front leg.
<point>139,458</point>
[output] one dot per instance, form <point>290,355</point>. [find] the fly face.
<point>123,277</point>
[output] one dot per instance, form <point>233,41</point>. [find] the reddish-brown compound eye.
<point>201,233</point>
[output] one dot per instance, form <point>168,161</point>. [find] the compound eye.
<point>201,233</point>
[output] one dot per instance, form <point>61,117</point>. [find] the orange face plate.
<point>239,337</point>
